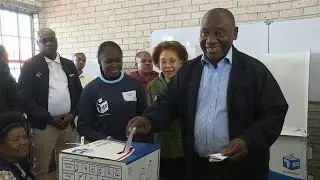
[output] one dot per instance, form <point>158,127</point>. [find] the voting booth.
<point>288,155</point>
<point>105,160</point>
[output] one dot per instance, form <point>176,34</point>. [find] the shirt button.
<point>215,73</point>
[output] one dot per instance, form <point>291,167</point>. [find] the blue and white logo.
<point>290,162</point>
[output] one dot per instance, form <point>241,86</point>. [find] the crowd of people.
<point>223,101</point>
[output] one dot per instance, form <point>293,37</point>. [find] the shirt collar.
<point>162,78</point>
<point>82,76</point>
<point>227,58</point>
<point>57,60</point>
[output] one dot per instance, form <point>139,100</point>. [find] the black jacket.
<point>9,167</point>
<point>34,83</point>
<point>10,97</point>
<point>256,111</point>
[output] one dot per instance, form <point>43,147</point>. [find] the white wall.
<point>81,25</point>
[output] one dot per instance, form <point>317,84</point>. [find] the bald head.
<point>143,53</point>
<point>218,13</point>
<point>47,42</point>
<point>46,31</point>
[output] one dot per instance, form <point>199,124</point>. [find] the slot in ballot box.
<point>104,160</point>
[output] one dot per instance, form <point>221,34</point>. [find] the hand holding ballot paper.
<point>236,150</point>
<point>142,125</point>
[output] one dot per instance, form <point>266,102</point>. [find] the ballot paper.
<point>217,157</point>
<point>126,148</point>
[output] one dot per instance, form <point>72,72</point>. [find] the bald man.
<point>52,83</point>
<point>145,72</point>
<point>228,103</point>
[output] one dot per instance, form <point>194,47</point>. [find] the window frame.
<point>18,60</point>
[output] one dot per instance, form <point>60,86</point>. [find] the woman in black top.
<point>111,100</point>
<point>14,148</point>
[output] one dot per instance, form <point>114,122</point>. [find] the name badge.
<point>130,95</point>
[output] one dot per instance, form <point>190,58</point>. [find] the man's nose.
<point>212,38</point>
<point>167,64</point>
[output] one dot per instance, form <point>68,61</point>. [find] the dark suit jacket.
<point>34,83</point>
<point>10,97</point>
<point>256,111</point>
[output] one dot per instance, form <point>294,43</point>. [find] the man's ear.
<point>236,29</point>
<point>157,65</point>
<point>136,61</point>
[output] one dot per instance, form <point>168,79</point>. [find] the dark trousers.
<point>172,168</point>
<point>226,170</point>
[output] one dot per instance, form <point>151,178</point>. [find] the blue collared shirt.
<point>211,131</point>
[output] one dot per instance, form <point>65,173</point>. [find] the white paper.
<point>217,157</point>
<point>129,141</point>
<point>82,140</point>
<point>130,95</point>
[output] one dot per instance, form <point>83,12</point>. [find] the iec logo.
<point>290,162</point>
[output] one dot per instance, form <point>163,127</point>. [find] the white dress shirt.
<point>84,79</point>
<point>59,102</point>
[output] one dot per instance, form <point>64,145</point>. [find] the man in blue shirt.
<point>229,102</point>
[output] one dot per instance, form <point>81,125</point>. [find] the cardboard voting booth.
<point>105,160</point>
<point>288,155</point>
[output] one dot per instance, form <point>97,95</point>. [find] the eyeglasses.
<point>169,61</point>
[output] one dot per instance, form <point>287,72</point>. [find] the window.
<point>16,36</point>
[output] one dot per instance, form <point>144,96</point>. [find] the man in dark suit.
<point>229,103</point>
<point>52,83</point>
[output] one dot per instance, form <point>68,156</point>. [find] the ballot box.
<point>105,160</point>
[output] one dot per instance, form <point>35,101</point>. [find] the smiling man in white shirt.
<point>52,83</point>
<point>80,60</point>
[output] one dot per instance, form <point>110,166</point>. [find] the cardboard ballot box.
<point>104,160</point>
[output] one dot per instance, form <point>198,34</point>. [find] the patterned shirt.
<point>169,140</point>
<point>7,175</point>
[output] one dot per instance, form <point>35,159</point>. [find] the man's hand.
<point>142,125</point>
<point>236,150</point>
<point>56,121</point>
<point>67,120</point>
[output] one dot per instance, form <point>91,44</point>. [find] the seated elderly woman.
<point>14,148</point>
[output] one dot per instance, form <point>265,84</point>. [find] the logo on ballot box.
<point>82,151</point>
<point>290,162</point>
